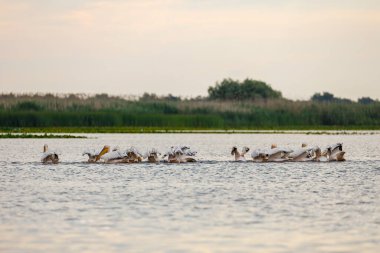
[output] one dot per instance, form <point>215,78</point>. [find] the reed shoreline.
<point>51,132</point>
<point>14,135</point>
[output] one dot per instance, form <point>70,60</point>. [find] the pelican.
<point>315,154</point>
<point>239,156</point>
<point>188,154</point>
<point>180,154</point>
<point>49,156</point>
<point>115,156</point>
<point>259,155</point>
<point>93,154</point>
<point>133,155</point>
<point>152,155</point>
<point>276,154</point>
<point>302,154</point>
<point>334,152</point>
<point>172,156</point>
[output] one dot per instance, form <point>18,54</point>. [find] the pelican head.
<point>105,150</point>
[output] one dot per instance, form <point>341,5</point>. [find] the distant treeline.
<point>231,104</point>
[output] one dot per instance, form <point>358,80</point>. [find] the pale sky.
<point>183,47</point>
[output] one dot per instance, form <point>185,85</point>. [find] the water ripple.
<point>212,205</point>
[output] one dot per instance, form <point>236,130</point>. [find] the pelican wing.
<point>336,146</point>
<point>91,152</point>
<point>183,147</point>
<point>275,153</point>
<point>179,150</point>
<point>258,152</point>
<point>45,154</point>
<point>113,155</point>
<point>48,153</point>
<point>151,152</point>
<point>185,150</point>
<point>300,153</point>
<point>169,152</point>
<point>134,151</point>
<point>190,152</point>
<point>297,152</point>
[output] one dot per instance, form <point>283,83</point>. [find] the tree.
<point>325,97</point>
<point>366,100</point>
<point>229,89</point>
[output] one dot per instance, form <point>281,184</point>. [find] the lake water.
<point>215,205</point>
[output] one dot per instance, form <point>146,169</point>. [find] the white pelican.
<point>152,155</point>
<point>276,154</point>
<point>173,155</point>
<point>49,156</point>
<point>133,155</point>
<point>107,156</point>
<point>259,155</point>
<point>305,154</point>
<point>187,154</point>
<point>315,154</point>
<point>93,154</point>
<point>334,152</point>
<point>180,154</point>
<point>239,156</point>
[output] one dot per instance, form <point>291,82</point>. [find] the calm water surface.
<point>211,206</point>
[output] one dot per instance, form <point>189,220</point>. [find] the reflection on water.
<point>213,205</point>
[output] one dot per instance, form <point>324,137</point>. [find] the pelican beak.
<point>105,150</point>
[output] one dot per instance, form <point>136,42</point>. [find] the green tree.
<point>366,100</point>
<point>229,89</point>
<point>325,97</point>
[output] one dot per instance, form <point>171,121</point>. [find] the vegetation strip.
<point>39,136</point>
<point>230,104</point>
<point>15,133</point>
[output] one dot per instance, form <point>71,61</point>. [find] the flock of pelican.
<point>184,154</point>
<point>176,154</point>
<point>303,154</point>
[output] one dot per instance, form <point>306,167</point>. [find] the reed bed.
<point>79,110</point>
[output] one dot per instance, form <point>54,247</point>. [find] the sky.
<point>182,47</point>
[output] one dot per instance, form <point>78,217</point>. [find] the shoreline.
<point>39,136</point>
<point>66,132</point>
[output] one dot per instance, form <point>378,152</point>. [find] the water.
<point>211,206</point>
